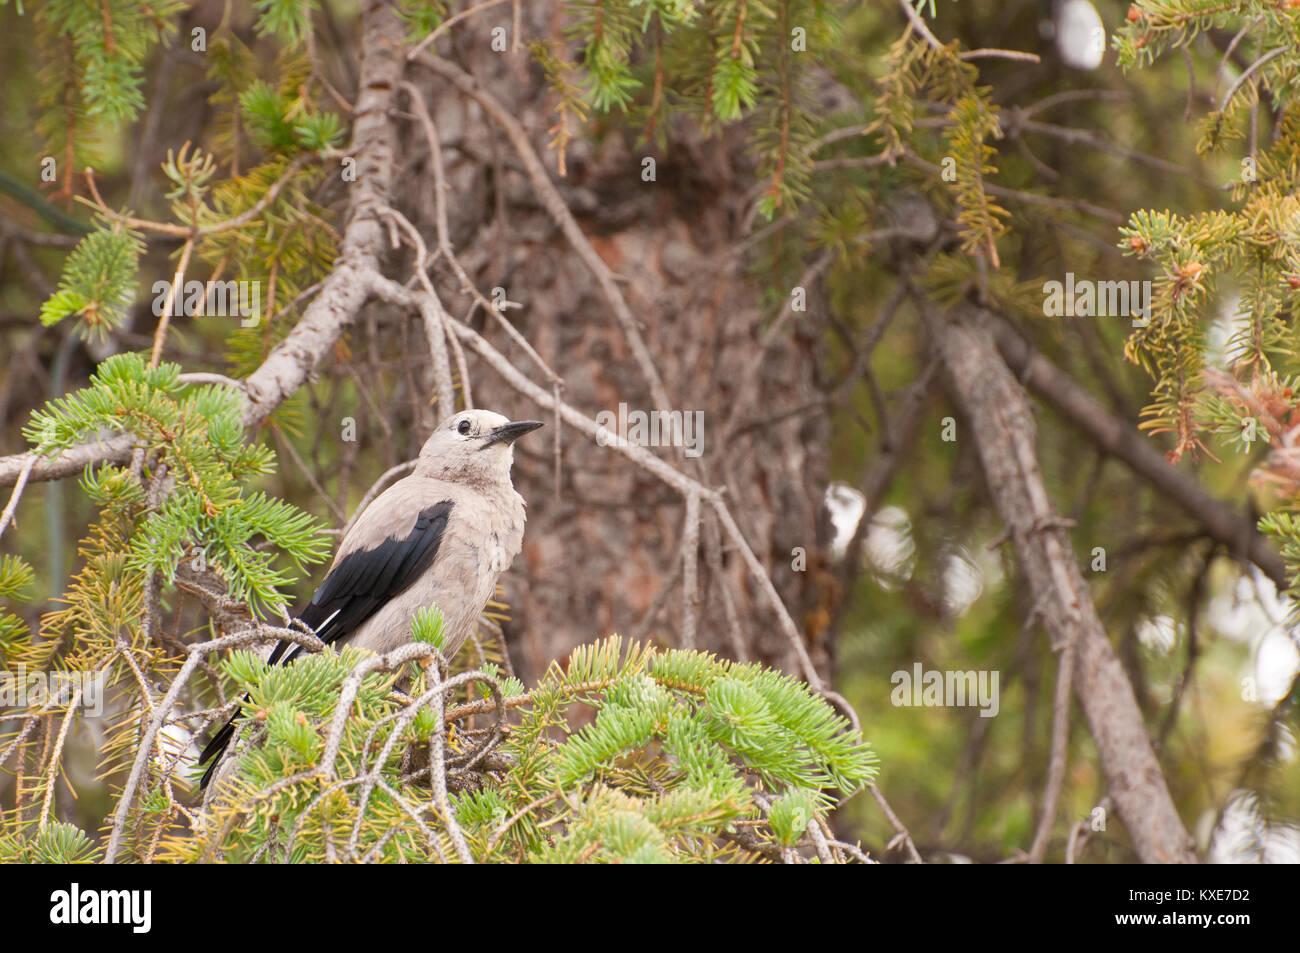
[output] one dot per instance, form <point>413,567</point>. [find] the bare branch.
<point>28,465</point>
<point>448,23</point>
<point>1116,436</point>
<point>690,564</point>
<point>1060,751</point>
<point>555,206</point>
<point>1004,429</point>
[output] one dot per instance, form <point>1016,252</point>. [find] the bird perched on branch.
<point>441,536</point>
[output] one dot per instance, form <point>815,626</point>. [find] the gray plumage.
<point>473,527</point>
<point>441,536</point>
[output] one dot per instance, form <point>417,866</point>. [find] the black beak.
<point>509,433</point>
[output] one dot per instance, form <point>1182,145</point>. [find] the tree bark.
<point>671,245</point>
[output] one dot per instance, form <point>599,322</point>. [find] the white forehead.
<point>482,420</point>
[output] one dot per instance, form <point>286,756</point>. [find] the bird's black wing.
<point>366,579</point>
<point>362,582</point>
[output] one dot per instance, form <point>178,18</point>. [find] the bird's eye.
<point>462,428</point>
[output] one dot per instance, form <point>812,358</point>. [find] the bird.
<point>441,536</point>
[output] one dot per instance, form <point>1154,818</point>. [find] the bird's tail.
<point>221,740</point>
<point>214,749</point>
<point>283,653</point>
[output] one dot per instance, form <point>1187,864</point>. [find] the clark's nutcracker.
<point>441,536</point>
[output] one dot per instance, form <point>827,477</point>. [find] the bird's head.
<point>473,446</point>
